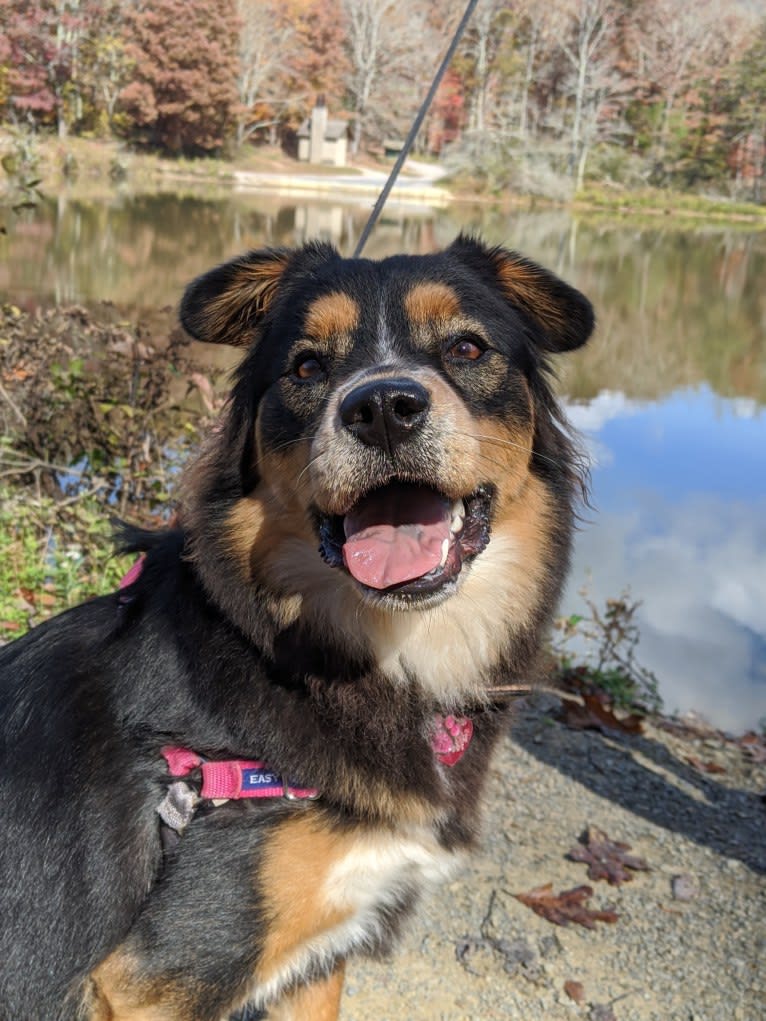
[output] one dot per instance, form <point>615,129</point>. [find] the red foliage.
<point>38,55</point>
<point>184,93</point>
<point>320,64</point>
<point>447,113</point>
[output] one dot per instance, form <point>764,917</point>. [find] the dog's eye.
<point>464,349</point>
<point>307,367</point>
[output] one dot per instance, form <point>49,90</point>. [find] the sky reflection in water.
<point>679,491</point>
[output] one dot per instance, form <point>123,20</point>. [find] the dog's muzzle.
<point>402,537</point>
<point>385,412</point>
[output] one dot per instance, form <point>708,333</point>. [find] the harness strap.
<point>234,778</point>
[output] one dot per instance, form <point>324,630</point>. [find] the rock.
<point>684,887</point>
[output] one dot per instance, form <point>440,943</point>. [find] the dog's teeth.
<point>458,516</point>
<point>445,552</point>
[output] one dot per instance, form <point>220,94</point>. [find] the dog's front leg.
<point>319,1001</point>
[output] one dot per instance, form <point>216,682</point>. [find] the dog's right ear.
<point>228,304</point>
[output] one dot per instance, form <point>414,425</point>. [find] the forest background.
<point>541,99</point>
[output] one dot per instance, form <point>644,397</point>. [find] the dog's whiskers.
<point>511,445</point>
<point>486,459</point>
<point>290,443</point>
<point>308,467</point>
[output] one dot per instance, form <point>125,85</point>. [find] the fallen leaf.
<point>565,907</point>
<point>704,767</point>
<point>754,746</point>
<point>575,991</point>
<point>16,375</point>
<point>606,859</point>
<point>594,715</point>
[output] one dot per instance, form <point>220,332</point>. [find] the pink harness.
<point>251,778</point>
<point>234,778</point>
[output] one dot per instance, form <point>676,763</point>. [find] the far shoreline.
<point>97,169</point>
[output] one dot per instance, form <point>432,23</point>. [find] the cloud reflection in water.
<point>679,490</point>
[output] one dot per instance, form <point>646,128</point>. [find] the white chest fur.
<point>378,869</point>
<point>373,873</point>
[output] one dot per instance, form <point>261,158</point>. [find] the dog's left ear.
<point>227,305</point>
<point>564,316</point>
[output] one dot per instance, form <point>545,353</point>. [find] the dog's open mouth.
<point>406,538</point>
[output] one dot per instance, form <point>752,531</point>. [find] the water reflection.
<point>670,391</point>
<point>680,493</point>
<point>140,251</point>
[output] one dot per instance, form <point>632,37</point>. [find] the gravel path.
<point>476,953</point>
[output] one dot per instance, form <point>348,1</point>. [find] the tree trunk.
<point>526,86</point>
<point>584,153</point>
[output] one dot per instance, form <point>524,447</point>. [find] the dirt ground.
<point>688,949</point>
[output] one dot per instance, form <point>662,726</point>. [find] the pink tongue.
<point>395,535</point>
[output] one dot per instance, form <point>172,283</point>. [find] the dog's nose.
<point>385,412</point>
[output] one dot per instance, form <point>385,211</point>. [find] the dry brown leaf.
<point>606,859</point>
<point>595,715</point>
<point>705,767</point>
<point>575,991</point>
<point>565,907</point>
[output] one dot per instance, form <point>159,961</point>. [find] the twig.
<point>82,495</point>
<point>487,919</point>
<point>12,405</point>
<point>26,464</point>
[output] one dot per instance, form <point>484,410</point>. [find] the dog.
<point>246,765</point>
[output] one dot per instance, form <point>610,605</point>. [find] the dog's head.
<point>392,446</point>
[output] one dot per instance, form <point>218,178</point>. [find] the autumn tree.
<point>483,43</point>
<point>183,95</point>
<point>38,37</point>
<point>390,53</point>
<point>267,47</point>
<point>533,38</point>
<point>704,151</point>
<point>588,42</point>
<point>320,63</point>
<point>104,65</point>
<point>747,119</point>
<point>672,43</point>
<point>366,46</point>
<point>64,61</point>
<point>447,114</point>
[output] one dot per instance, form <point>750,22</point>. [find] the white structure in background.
<point>321,140</point>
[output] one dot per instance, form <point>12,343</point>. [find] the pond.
<point>670,395</point>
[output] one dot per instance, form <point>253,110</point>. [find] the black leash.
<point>409,141</point>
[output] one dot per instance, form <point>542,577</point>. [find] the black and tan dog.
<point>374,541</point>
